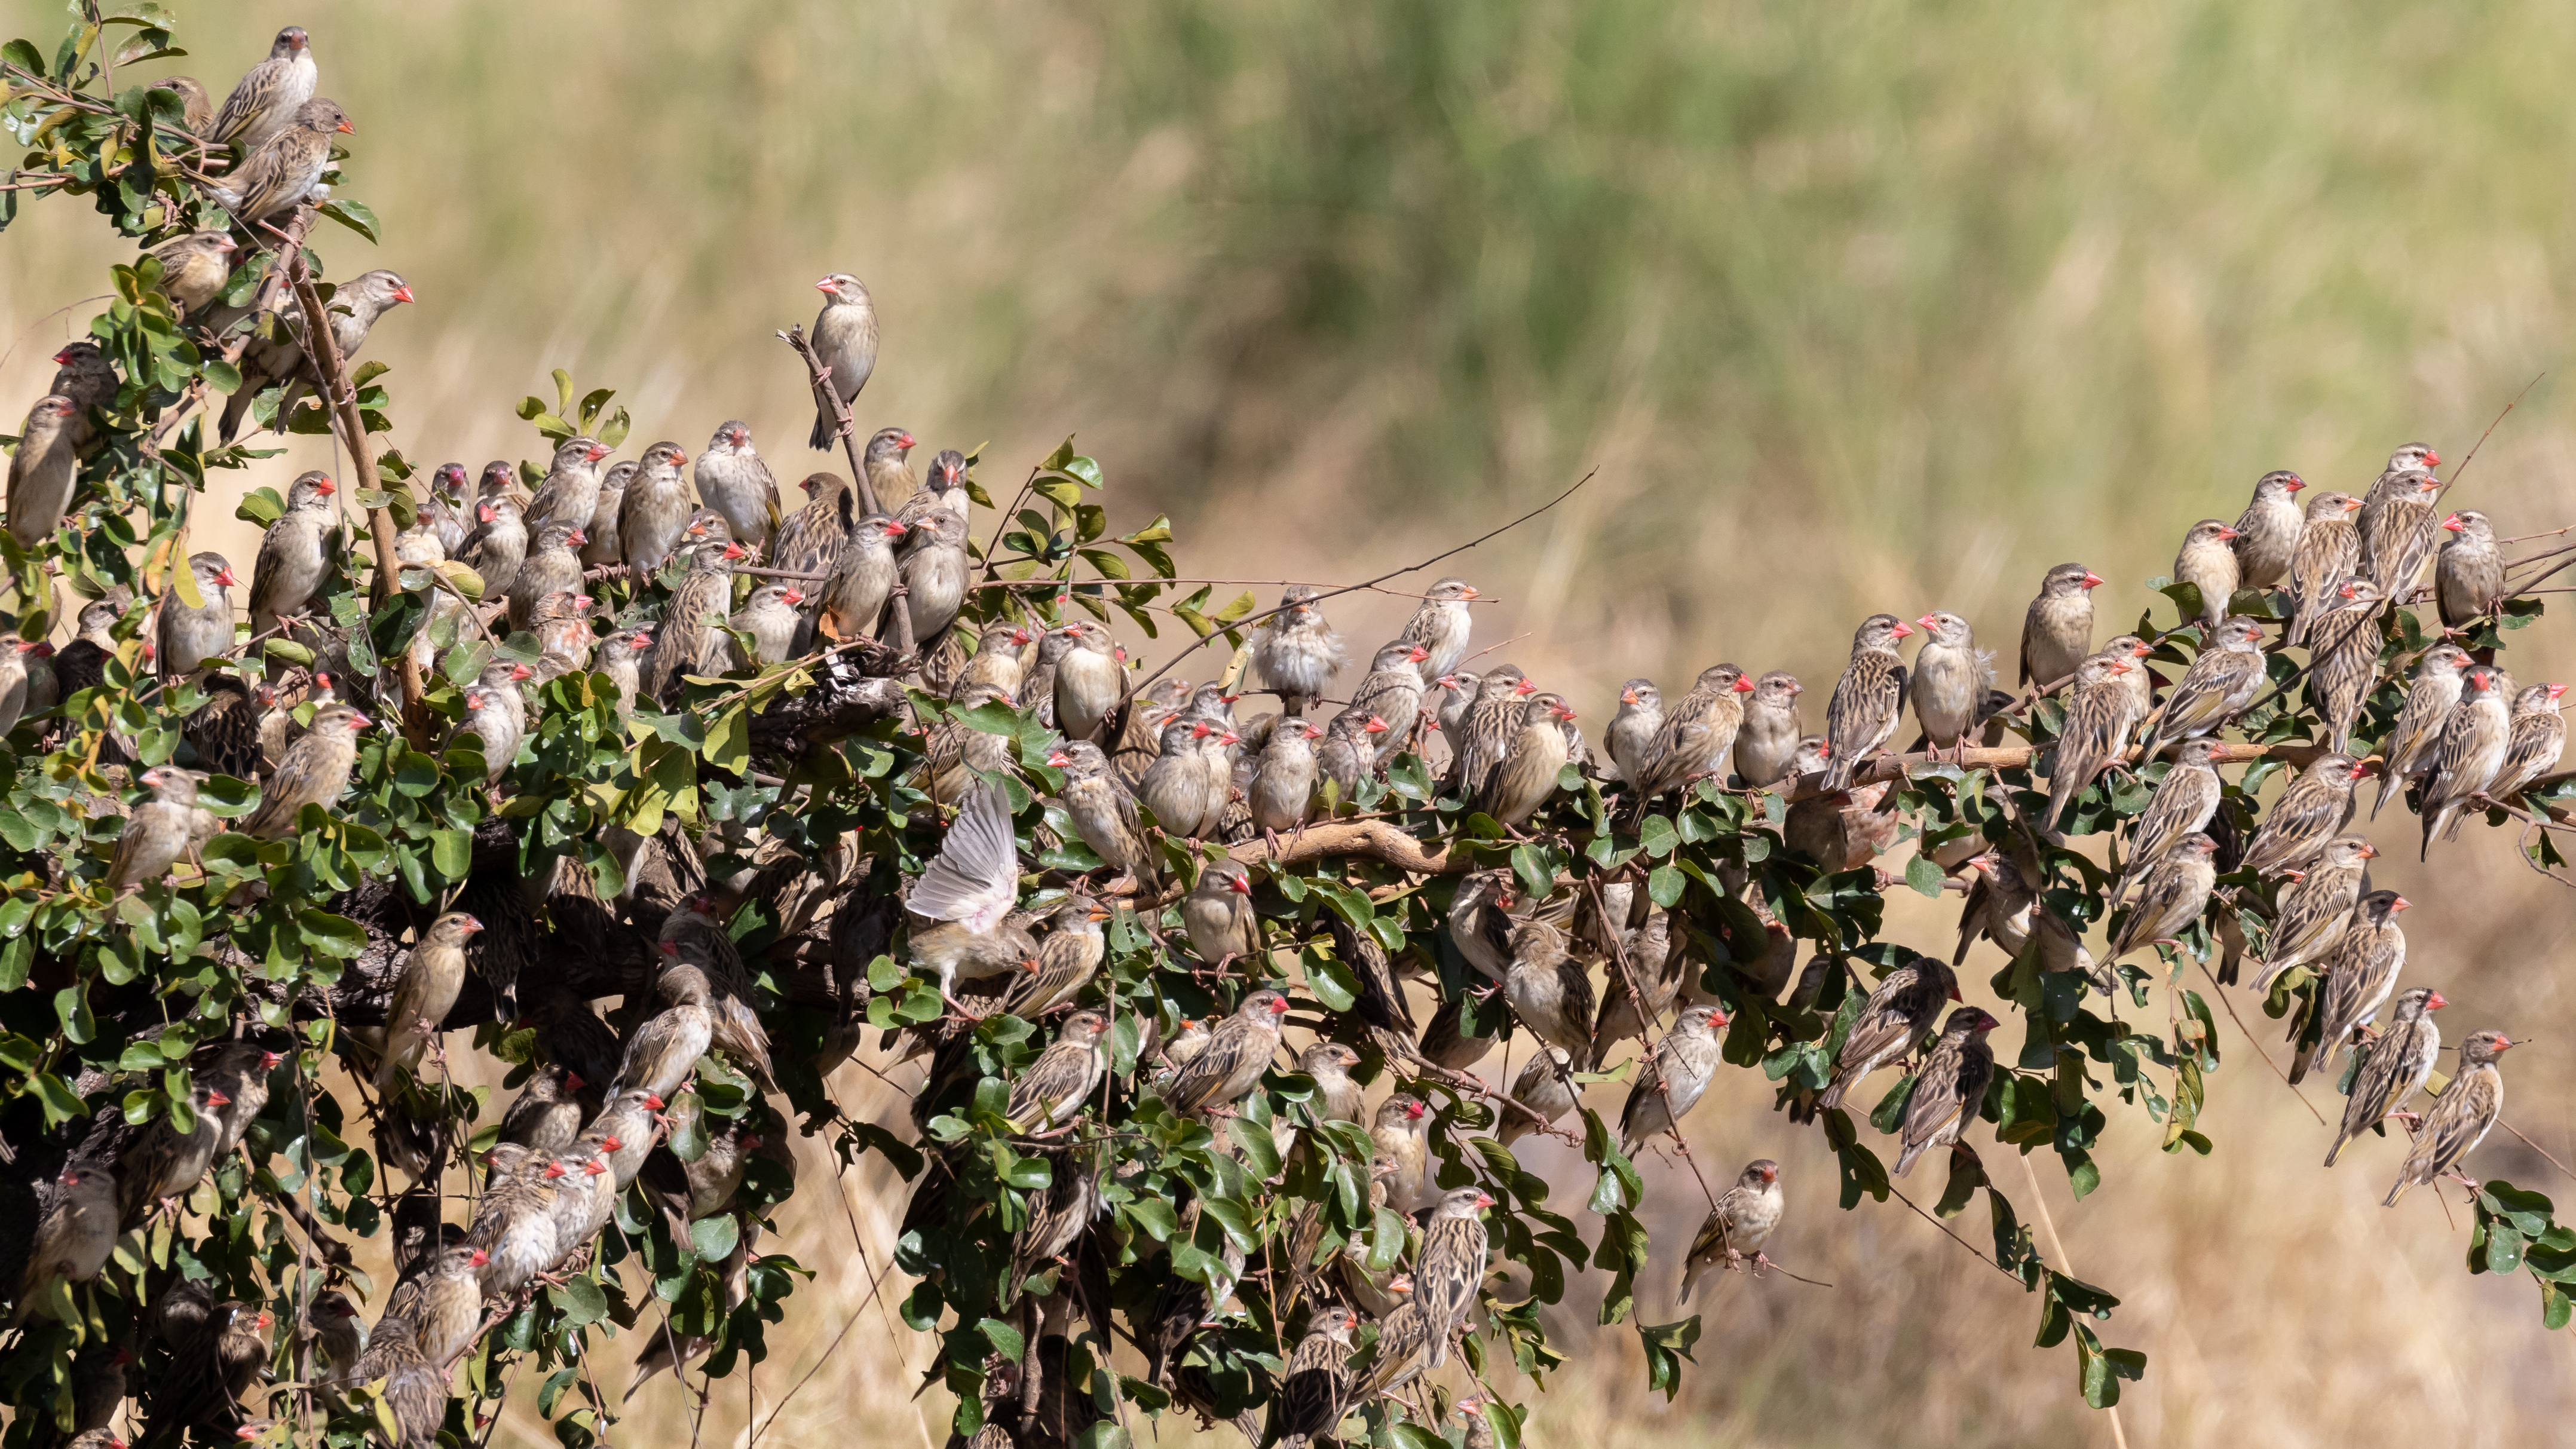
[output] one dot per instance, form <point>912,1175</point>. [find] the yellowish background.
<point>1854,306</point>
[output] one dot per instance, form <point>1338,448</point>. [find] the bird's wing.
<point>975,878</point>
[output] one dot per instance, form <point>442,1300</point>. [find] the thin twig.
<point>2258,1048</point>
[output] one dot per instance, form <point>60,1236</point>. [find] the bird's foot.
<point>2413,1121</point>
<point>960,1012</point>
<point>1762,1261</point>
<point>1734,1261</point>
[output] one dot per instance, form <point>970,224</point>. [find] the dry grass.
<point>1857,307</point>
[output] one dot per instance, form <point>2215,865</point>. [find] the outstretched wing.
<point>975,878</point>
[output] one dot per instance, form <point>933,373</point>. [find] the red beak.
<point>2092,580</point>
<point>1376,726</point>
<point>2227,535</point>
<point>2294,485</point>
<point>2453,523</point>
<point>227,580</point>
<point>1743,685</point>
<point>735,551</point>
<point>1059,759</point>
<point>218,1099</point>
<point>325,487</point>
<point>2435,1002</point>
<point>596,453</point>
<point>793,597</point>
<point>828,285</point>
<point>402,293</point>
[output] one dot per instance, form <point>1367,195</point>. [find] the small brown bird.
<point>158,832</point>
<point>1451,1268</point>
<point>1699,731</point>
<point>1868,699</point>
<point>934,566</point>
<point>194,269</point>
<point>1238,1051</point>
<point>267,95</point>
<point>2468,575</point>
<point>2461,1117</point>
<point>2317,805</point>
<point>1069,956</point>
<point>864,574</point>
<point>295,555</point>
<point>688,640</point>
<point>339,1335</point>
<point>203,1384</point>
<point>1349,751</point>
<point>42,472</point>
<point>970,890</point>
<point>655,509</point>
<point>845,342</point>
<point>498,719</point>
<point>1282,796</point>
<point>1549,990</point>
<point>1634,731</point>
<point>1951,1088</point>
<point>414,1385</point>
<point>354,308</point>
<point>2535,737</point>
<point>2392,480</point>
<point>73,1238</point>
<point>2267,535</point>
<point>1101,808</point>
<point>189,636</point>
<point>1893,1023</point>
<point>1391,695</point>
<point>1219,916</point>
<point>2358,978</point>
<point>2402,533</point>
<point>2219,685</point>
<point>2315,912</point>
<point>1337,1097</point>
<point>1745,1217</point>
<point>440,1300</point>
<point>1411,1341</point>
<point>2343,657</point>
<point>196,108</point>
<point>2057,632</point>
<point>431,977</point>
<point>313,772</point>
<point>2171,897</point>
<point>1480,922</point>
<point>1050,1093</point>
<point>1401,1132</point>
<point>665,1048</point>
<point>946,489</point>
<point>2208,563</point>
<point>811,539</point>
<point>286,171</point>
<point>2096,730</point>
<point>1089,681</point>
<point>2393,1067</point>
<point>1526,778</point>
<point>2329,551</point>
<point>553,566</point>
<point>1317,1387</point>
<point>888,465</point>
<point>1295,653</point>
<point>605,547</point>
<point>497,546</point>
<point>1684,1063</point>
<point>1441,626</point>
<point>2469,754</point>
<point>2183,804</point>
<point>733,481</point>
<point>546,1116</point>
<point>569,494</point>
<point>769,617</point>
<point>1769,739</point>
<point>1546,1084</point>
<point>2417,735</point>
<point>1951,677</point>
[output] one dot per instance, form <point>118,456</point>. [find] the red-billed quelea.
<point>2468,574</point>
<point>1101,809</point>
<point>1441,626</point>
<point>498,717</point>
<point>1546,1086</point>
<point>2394,1067</point>
<point>2316,806</point>
<point>73,1238</point>
<point>1283,788</point>
<point>1390,696</point>
<point>2328,553</point>
<point>1772,729</point>
<point>1187,785</point>
<point>286,171</point>
<point>339,1336</point>
<point>2343,657</point>
<point>261,102</point>
<point>1050,1093</point>
<point>2207,562</point>
<point>202,1386</point>
<point>2417,735</point>
<point>1296,652</point>
<point>1951,1088</point>
<point>2535,737</point>
<point>2183,804</point>
<point>2099,712</point>
<point>43,470</point>
<point>2057,631</point>
<point>2461,1117</point>
<point>295,554</point>
<point>1526,779</point>
<point>546,1115</point>
<point>845,342</point>
<point>812,538</point>
<point>2359,978</point>
<point>1951,677</point>
<point>1745,1217</point>
<point>863,578</point>
<point>1698,736</point>
<point>769,617</point>
<point>1549,990</point>
<point>664,1050</point>
<point>1238,1051</point>
<point>553,565</point>
<point>569,494</point>
<point>189,636</point>
<point>2219,685</point>
<point>2468,755</point>
<point>1493,720</point>
<point>2402,534</point>
<point>1683,1065</point>
<point>1893,1023</point>
<point>688,640</point>
<point>655,508</point>
<point>887,463</point>
<point>1219,917</point>
<point>2315,912</point>
<point>1452,1266</point>
<point>1868,699</point>
<point>1401,1131</point>
<point>2267,534</point>
<point>194,268</point>
<point>441,1300</point>
<point>970,891</point>
<point>313,772</point>
<point>431,976</point>
<point>497,546</point>
<point>934,566</point>
<point>1088,682</point>
<point>354,308</point>
<point>733,481</point>
<point>1312,1396</point>
<point>605,546</point>
<point>158,832</point>
<point>944,489</point>
<point>2171,898</point>
<point>1630,741</point>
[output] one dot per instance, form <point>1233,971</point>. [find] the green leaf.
<point>714,1237</point>
<point>580,1301</point>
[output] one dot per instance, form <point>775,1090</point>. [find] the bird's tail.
<point>2306,1063</point>
<point>2337,1150</point>
<point>825,430</point>
<point>2403,1182</point>
<point>1905,1159</point>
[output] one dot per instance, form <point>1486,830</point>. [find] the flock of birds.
<point>677,539</point>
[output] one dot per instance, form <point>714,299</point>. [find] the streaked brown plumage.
<point>2470,752</point>
<point>1526,778</point>
<point>553,565</point>
<point>1745,1217</point>
<point>2172,896</point>
<point>187,637</point>
<point>2358,978</point>
<point>1868,699</point>
<point>286,170</point>
<point>1050,1093</point>
<point>74,1237</point>
<point>2317,804</point>
<point>2393,1067</point>
<point>1893,1023</point>
<point>2057,631</point>
<point>1238,1051</point>
<point>1549,990</point>
<point>1101,808</point>
<point>2267,534</point>
<point>863,578</point>
<point>414,1385</point>
<point>1312,1396</point>
<point>1451,1268</point>
<point>2329,551</point>
<point>811,539</point>
<point>2412,743</point>
<point>2343,657</point>
<point>313,772</point>
<point>568,495</point>
<point>1391,696</point>
<point>2221,682</point>
<point>1951,1088</point>
<point>202,1387</point>
<point>2096,728</point>
<point>2468,574</point>
<point>655,508</point>
<point>688,640</point>
<point>1683,1065</point>
<point>2315,912</point>
<point>2184,802</point>
<point>262,101</point>
<point>1545,1084</point>
<point>733,481</point>
<point>2400,535</point>
<point>431,977</point>
<point>194,269</point>
<point>1441,626</point>
<point>2535,737</point>
<point>1699,731</point>
<point>497,546</point>
<point>2460,1118</point>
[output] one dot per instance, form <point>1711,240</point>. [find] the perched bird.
<point>2417,735</point>
<point>189,636</point>
<point>2469,754</point>
<point>354,308</point>
<point>1684,1063</point>
<point>1699,731</point>
<point>1480,922</point>
<point>655,508</point>
<point>1441,626</point>
<point>2358,978</point>
<point>934,567</point>
<point>2393,1067</point>
<point>1893,1023</point>
<point>497,546</point>
<point>267,95</point>
<point>887,462</point>
<point>1101,808</point>
<point>1549,990</point>
<point>1295,653</point>
<point>998,661</point>
<point>2343,657</point>
<point>769,617</point>
<point>2171,897</point>
<point>497,717</point>
<point>1238,1051</point>
<point>14,654</point>
<point>439,1302</point>
<point>946,489</point>
<point>2461,1117</point>
<point>313,772</point>
<point>194,269</point>
<point>811,539</point>
<point>196,108</point>
<point>553,565</point>
<point>431,977</point>
<point>2535,737</point>
<point>202,1386</point>
<point>546,1116</point>
<point>224,731</point>
<point>43,470</point>
<point>1951,678</point>
<point>863,578</point>
<point>295,554</point>
<point>1283,787</point>
<point>1451,1267</point>
<point>1632,736</point>
<point>1868,699</point>
<point>1337,1097</point>
<point>2315,912</point>
<point>1951,1088</point>
<point>1391,697</point>
<point>2267,534</point>
<point>2401,534</point>
<point>1219,917</point>
<point>1089,681</point>
<point>565,643</point>
<point>2057,632</point>
<point>604,547</point>
<point>688,641</point>
<point>1526,778</point>
<point>1053,1088</point>
<point>1772,730</point>
<point>1315,1391</point>
<point>1411,1341</point>
<point>2317,805</point>
<point>73,1238</point>
<point>1745,1217</point>
<point>2183,804</point>
<point>664,1049</point>
<point>970,890</point>
<point>339,1335</point>
<point>845,342</point>
<point>1349,751</point>
<point>1401,1134</point>
<point>2208,563</point>
<point>569,494</point>
<point>1546,1084</point>
<point>2096,729</point>
<point>2468,574</point>
<point>2329,551</point>
<point>1458,695</point>
<point>2219,685</point>
<point>1493,721</point>
<point>734,482</point>
<point>286,171</point>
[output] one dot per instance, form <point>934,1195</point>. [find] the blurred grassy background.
<point>1854,306</point>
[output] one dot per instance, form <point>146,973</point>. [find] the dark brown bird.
<point>2461,1117</point>
<point>689,639</point>
<point>73,1238</point>
<point>2358,978</point>
<point>1893,1023</point>
<point>2057,632</point>
<point>811,539</point>
<point>1238,1051</point>
<point>1951,1088</point>
<point>2328,553</point>
<point>203,1384</point>
<point>1868,699</point>
<point>224,731</point>
<point>2393,1067</point>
